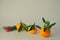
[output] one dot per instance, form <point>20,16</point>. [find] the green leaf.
<point>20,28</point>
<point>14,27</point>
<point>38,26</point>
<point>43,19</point>
<point>51,25</point>
<point>10,28</point>
<point>29,25</point>
<point>45,25</point>
<point>47,22</point>
<point>25,27</point>
<point>32,27</point>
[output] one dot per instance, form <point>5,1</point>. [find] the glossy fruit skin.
<point>7,30</point>
<point>34,31</point>
<point>18,26</point>
<point>46,33</point>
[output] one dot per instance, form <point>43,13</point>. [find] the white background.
<point>29,11</point>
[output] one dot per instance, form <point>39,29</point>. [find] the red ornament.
<point>7,30</point>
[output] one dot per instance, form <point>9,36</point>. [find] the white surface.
<point>13,11</point>
<point>14,35</point>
